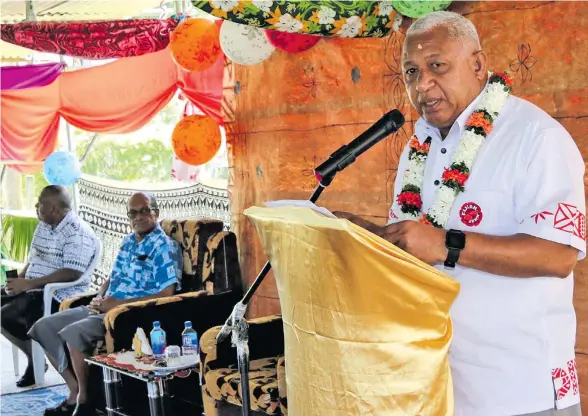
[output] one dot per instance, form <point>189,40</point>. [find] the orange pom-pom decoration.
<point>196,139</point>
<point>195,45</point>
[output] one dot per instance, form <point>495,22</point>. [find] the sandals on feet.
<point>62,409</point>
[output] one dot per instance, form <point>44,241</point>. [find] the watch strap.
<point>452,257</point>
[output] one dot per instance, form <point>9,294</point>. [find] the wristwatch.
<point>455,243</point>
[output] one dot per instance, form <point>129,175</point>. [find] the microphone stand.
<point>339,160</point>
<point>237,325</point>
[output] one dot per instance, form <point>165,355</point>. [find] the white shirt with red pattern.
<point>513,339</point>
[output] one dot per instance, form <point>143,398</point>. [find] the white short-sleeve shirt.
<point>70,245</point>
<point>513,339</point>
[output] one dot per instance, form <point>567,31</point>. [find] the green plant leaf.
<point>17,235</point>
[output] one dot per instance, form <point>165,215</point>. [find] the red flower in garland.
<point>415,146</point>
<point>455,176</point>
<point>411,199</point>
<point>478,119</point>
<point>507,81</point>
<point>413,143</point>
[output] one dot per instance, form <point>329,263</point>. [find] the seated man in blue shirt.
<point>148,266</point>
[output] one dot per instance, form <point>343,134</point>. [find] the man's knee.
<point>13,320</point>
<point>50,326</point>
<point>83,335</point>
<point>43,327</point>
<point>10,312</point>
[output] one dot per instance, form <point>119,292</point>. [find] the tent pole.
<point>71,150</point>
<point>30,11</point>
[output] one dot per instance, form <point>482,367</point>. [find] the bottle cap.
<point>188,324</point>
<point>156,323</point>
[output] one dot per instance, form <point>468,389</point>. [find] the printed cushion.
<point>193,236</point>
<point>225,384</point>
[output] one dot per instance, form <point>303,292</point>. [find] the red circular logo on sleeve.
<point>471,214</point>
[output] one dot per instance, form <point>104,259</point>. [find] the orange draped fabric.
<point>119,97</point>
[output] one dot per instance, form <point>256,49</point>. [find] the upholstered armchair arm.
<point>79,300</point>
<point>203,309</point>
<point>266,339</point>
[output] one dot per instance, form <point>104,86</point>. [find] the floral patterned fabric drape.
<point>347,19</point>
<point>92,40</point>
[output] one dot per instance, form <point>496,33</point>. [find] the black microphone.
<point>346,154</point>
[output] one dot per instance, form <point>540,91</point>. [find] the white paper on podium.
<point>301,204</point>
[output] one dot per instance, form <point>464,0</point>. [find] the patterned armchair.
<point>221,383</point>
<point>211,285</point>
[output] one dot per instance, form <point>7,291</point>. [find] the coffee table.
<point>125,363</point>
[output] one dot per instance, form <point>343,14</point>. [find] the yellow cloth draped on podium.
<point>366,325</point>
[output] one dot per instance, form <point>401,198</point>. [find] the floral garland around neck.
<point>409,203</point>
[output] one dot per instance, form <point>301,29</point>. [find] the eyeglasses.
<point>134,213</point>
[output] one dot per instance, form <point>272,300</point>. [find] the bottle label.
<point>158,343</point>
<point>189,340</point>
<point>190,343</point>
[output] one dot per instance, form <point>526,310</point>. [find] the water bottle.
<point>158,340</point>
<point>189,340</point>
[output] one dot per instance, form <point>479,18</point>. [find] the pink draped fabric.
<point>93,40</point>
<point>119,97</point>
<point>29,76</point>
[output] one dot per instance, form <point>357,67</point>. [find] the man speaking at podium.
<point>490,190</point>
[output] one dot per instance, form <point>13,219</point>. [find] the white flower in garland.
<point>494,99</point>
<point>441,207</point>
<point>468,148</point>
<point>414,174</point>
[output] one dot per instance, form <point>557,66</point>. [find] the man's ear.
<point>480,65</point>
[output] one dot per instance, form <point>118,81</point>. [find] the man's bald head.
<point>143,196</point>
<point>58,194</point>
<point>458,27</point>
<point>143,212</point>
<point>54,204</point>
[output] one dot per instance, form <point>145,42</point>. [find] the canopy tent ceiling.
<point>14,53</point>
<point>14,11</point>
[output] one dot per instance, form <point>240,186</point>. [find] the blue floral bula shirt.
<point>147,267</point>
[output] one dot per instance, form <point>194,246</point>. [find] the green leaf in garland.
<point>455,186</point>
<point>461,166</point>
<point>477,130</point>
<point>432,221</point>
<point>411,188</point>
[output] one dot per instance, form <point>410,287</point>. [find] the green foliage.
<point>150,160</point>
<point>40,183</point>
<point>17,235</point>
<point>372,22</point>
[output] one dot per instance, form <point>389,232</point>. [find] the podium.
<point>366,325</point>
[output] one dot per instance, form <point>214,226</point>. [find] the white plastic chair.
<point>19,266</point>
<point>49,290</point>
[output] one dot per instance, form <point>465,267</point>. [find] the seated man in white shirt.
<point>62,249</point>
<point>490,190</point>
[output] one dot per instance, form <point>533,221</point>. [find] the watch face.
<point>455,239</point>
